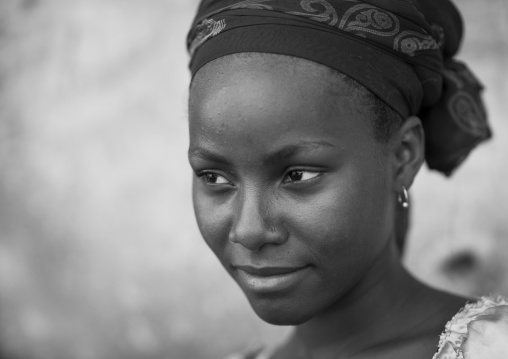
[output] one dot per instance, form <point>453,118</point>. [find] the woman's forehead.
<point>252,102</point>
<point>261,79</point>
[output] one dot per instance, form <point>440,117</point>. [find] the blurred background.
<point>100,256</point>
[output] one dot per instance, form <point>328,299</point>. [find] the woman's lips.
<point>270,279</point>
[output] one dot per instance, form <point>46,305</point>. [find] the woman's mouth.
<point>270,279</point>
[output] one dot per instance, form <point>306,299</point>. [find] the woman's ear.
<point>408,149</point>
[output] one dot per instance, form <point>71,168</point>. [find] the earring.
<point>404,198</point>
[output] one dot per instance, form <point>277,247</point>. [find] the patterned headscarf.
<point>401,50</point>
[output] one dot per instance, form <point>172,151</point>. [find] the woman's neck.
<point>388,304</point>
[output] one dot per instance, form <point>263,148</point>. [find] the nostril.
<point>255,237</point>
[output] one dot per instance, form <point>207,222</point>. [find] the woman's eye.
<point>301,175</point>
<point>214,178</point>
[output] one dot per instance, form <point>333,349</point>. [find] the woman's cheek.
<point>343,218</point>
<point>212,218</point>
<point>323,221</point>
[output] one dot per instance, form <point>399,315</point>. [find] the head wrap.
<point>400,50</point>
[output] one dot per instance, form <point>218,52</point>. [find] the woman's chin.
<point>278,313</point>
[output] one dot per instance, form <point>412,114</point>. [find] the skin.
<point>288,174</point>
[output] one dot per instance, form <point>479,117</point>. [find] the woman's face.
<point>291,190</point>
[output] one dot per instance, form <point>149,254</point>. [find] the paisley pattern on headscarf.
<point>401,50</point>
<point>363,20</point>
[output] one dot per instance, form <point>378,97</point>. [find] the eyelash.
<point>202,175</point>
<point>303,171</point>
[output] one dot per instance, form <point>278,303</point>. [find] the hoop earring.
<point>404,198</point>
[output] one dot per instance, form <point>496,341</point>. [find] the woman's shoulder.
<point>469,327</point>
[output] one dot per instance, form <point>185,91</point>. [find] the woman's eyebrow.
<point>207,155</point>
<point>293,150</point>
<point>281,154</point>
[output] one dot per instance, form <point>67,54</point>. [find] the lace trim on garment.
<point>455,332</point>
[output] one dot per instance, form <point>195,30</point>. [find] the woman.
<point>304,141</point>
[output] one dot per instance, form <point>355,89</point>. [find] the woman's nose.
<point>255,224</point>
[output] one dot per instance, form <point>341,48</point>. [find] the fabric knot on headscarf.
<point>401,50</point>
